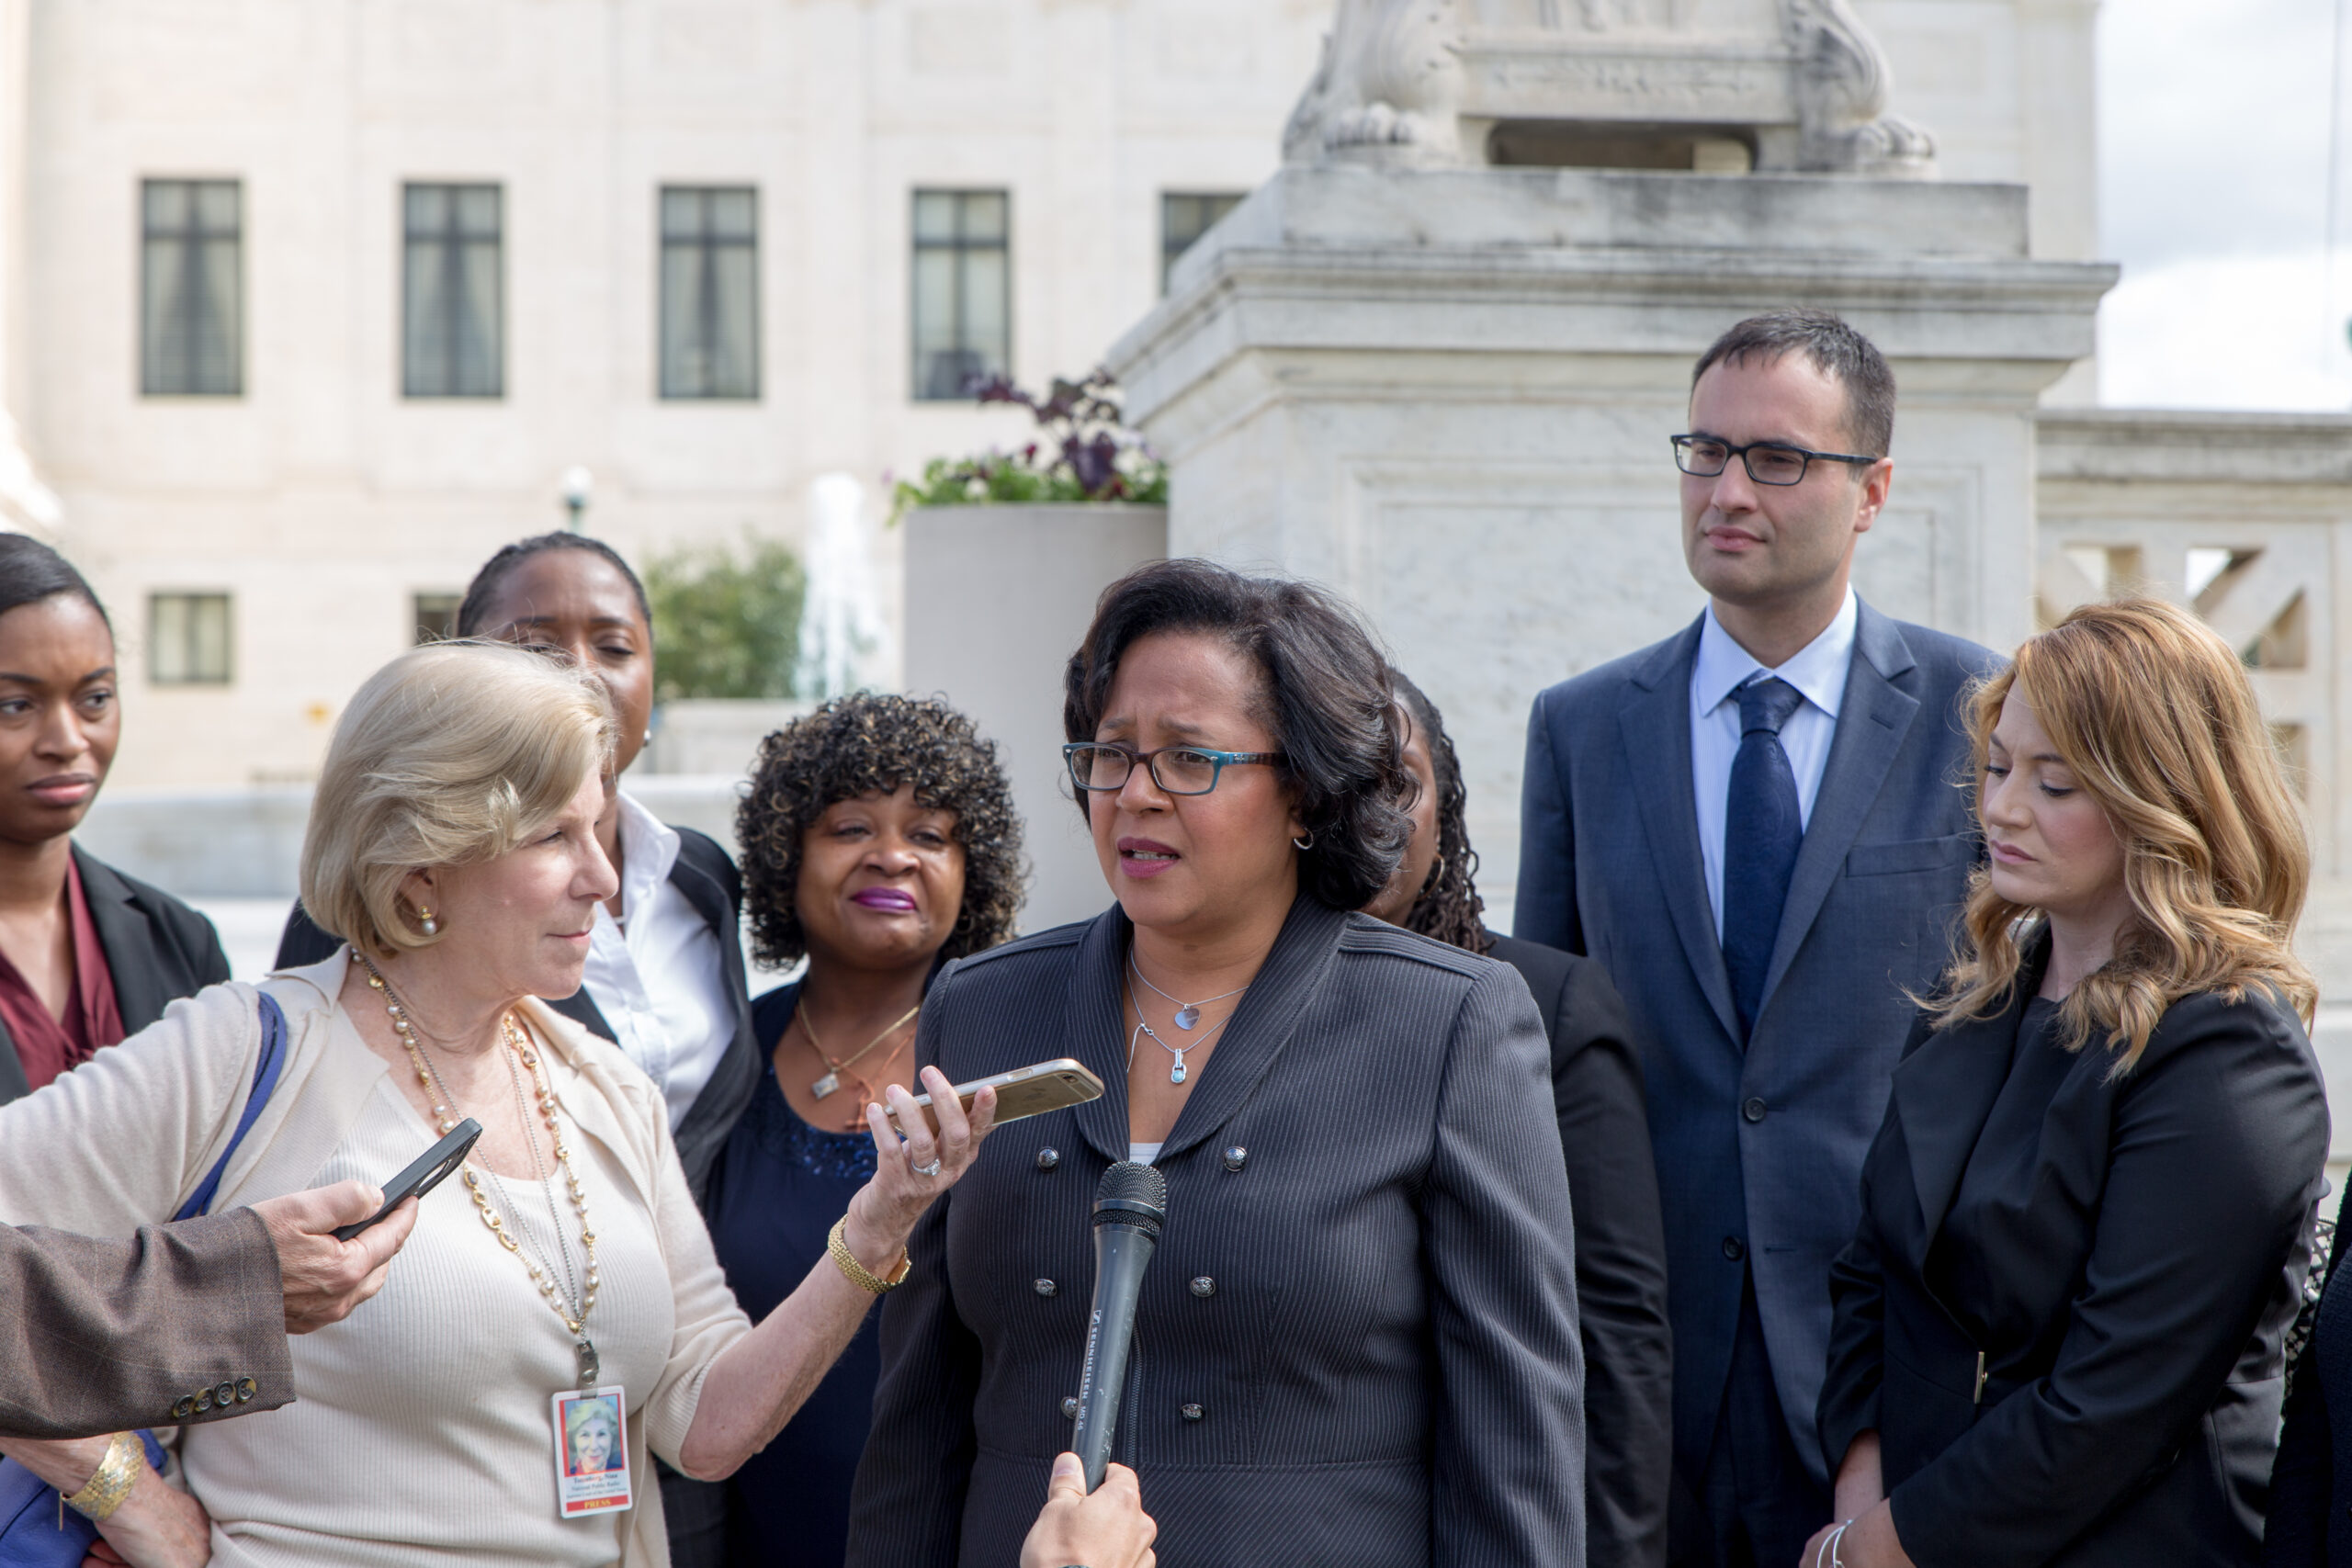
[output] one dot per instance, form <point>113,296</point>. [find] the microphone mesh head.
<point>1132,1193</point>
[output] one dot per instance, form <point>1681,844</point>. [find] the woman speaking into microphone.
<point>1357,1340</point>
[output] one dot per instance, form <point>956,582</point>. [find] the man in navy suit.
<point>1759,827</point>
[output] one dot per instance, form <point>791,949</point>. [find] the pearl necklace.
<point>573,1313</point>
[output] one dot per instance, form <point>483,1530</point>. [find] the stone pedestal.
<point>997,600</point>
<point>1448,394</point>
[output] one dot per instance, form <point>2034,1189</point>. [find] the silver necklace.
<point>1178,1073</point>
<point>1188,1014</point>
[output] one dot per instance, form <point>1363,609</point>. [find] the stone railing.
<point>2247,518</point>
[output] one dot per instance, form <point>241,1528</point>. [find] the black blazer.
<point>1357,1343</point>
<point>2311,1488</point>
<point>709,881</point>
<point>157,948</point>
<point>2134,1421</point>
<point>1620,1251</point>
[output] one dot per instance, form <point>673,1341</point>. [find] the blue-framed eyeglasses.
<point>1177,770</point>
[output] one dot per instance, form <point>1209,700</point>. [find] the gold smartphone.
<point>1027,1091</point>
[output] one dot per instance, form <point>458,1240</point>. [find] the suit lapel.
<point>1945,1089</point>
<point>1871,724</point>
<point>1094,1029</point>
<point>1269,1014</point>
<point>14,1085</point>
<point>1655,724</point>
<point>128,938</point>
<point>580,1007</point>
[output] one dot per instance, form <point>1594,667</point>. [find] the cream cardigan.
<point>124,1139</point>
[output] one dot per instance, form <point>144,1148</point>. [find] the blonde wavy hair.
<point>2152,713</point>
<point>451,755</point>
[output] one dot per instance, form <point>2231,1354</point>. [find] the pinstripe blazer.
<point>1357,1342</point>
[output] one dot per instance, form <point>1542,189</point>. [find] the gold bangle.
<point>116,1475</point>
<point>864,1279</point>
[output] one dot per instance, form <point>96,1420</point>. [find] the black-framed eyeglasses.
<point>1767,462</point>
<point>1177,770</point>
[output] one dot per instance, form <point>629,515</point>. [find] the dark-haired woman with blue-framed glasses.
<point>1357,1341</point>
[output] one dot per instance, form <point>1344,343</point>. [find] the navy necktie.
<point>1761,832</point>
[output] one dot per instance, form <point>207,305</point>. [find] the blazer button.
<point>1193,1413</point>
<point>1236,1157</point>
<point>1043,1287</point>
<point>1205,1286</point>
<point>1049,1159</point>
<point>246,1389</point>
<point>204,1400</point>
<point>1753,1110</point>
<point>186,1407</point>
<point>1734,1248</point>
<point>225,1396</point>
<point>1069,1408</point>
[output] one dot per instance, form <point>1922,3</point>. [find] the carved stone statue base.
<point>1448,394</point>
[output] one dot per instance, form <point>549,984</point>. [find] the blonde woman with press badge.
<point>453,848</point>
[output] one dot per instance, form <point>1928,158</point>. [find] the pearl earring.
<point>425,918</point>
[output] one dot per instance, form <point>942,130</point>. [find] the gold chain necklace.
<point>574,1313</point>
<point>832,1079</point>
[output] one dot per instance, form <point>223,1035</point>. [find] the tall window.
<point>187,639</point>
<point>710,292</point>
<point>963,291</point>
<point>1184,217</point>
<point>435,615</point>
<point>191,289</point>
<point>453,325</point>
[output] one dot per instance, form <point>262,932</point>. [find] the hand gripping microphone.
<point>1129,1208</point>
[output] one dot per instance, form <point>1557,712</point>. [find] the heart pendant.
<point>1176,1073</point>
<point>1187,1016</point>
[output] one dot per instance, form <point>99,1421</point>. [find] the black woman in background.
<point>87,955</point>
<point>879,842</point>
<point>2058,1331</point>
<point>1357,1342</point>
<point>1605,1135</point>
<point>664,979</point>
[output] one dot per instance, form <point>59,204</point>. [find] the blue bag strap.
<point>273,1060</point>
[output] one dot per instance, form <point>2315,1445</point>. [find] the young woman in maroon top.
<point>87,955</point>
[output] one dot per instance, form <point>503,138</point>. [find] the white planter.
<point>997,600</point>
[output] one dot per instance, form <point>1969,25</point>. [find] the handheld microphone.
<point>1129,1208</point>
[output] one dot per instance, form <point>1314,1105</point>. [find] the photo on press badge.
<point>591,1453</point>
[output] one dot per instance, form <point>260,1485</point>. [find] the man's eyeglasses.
<point>1177,770</point>
<point>1767,462</point>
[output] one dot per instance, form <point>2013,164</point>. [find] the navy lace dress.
<point>778,1188</point>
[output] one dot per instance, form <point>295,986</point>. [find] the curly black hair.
<point>1323,693</point>
<point>870,742</point>
<point>1448,906</point>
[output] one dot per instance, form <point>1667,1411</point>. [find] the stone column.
<point>1447,393</point>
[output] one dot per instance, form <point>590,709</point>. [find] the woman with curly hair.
<point>1605,1135</point>
<point>2086,1217</point>
<point>1357,1343</point>
<point>879,842</point>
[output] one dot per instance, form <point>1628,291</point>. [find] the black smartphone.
<point>422,1175</point>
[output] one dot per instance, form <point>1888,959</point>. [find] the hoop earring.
<point>1306,843</point>
<point>425,918</point>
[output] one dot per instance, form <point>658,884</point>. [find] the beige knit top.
<point>420,1426</point>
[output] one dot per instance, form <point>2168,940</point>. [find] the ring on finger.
<point>931,1169</point>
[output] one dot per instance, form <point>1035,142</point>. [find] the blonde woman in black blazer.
<point>1357,1342</point>
<point>2085,1219</point>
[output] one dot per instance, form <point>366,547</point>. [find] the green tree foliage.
<point>726,624</point>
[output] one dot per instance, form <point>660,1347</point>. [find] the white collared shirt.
<point>655,973</point>
<point>1818,671</point>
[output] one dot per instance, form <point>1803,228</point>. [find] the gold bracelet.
<point>116,1475</point>
<point>864,1279</point>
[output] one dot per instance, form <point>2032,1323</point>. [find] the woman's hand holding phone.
<point>909,1173</point>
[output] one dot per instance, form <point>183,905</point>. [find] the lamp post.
<point>579,485</point>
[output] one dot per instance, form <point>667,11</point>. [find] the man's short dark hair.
<point>1841,352</point>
